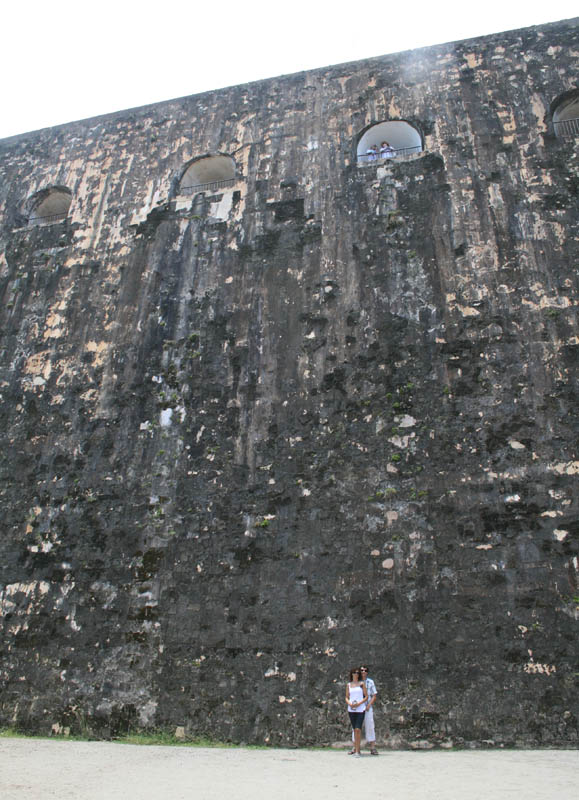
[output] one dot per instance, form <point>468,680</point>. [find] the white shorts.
<point>368,731</point>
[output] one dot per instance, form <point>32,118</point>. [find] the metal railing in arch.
<point>49,219</point>
<point>206,187</point>
<point>567,128</point>
<point>391,152</point>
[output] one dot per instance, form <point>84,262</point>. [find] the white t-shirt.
<point>356,695</point>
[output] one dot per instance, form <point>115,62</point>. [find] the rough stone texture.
<point>252,437</point>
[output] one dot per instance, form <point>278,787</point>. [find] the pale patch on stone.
<point>221,209</point>
<point>495,196</point>
<point>399,441</point>
<point>552,514</point>
<point>100,349</point>
<point>516,445</point>
<point>405,421</point>
<point>531,668</point>
<point>375,553</point>
<point>388,563</point>
<point>548,302</point>
<point>513,498</point>
<point>39,364</point>
<point>484,547</point>
<point>508,120</point>
<point>44,547</point>
<point>73,623</point>
<point>560,534</point>
<point>53,326</point>
<point>147,712</point>
<point>89,396</point>
<point>569,468</point>
<point>391,516</point>
<point>165,417</point>
<point>393,110</point>
<point>473,59</point>
<point>229,279</point>
<point>468,311</point>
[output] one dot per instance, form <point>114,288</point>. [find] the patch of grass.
<point>152,738</point>
<point>10,733</point>
<point>170,740</point>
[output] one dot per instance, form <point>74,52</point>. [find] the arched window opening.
<point>388,140</point>
<point>566,117</point>
<point>208,174</point>
<point>49,206</point>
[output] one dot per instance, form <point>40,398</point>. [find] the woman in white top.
<point>356,697</point>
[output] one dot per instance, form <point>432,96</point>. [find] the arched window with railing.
<point>565,111</point>
<point>208,174</point>
<point>385,141</point>
<point>49,205</point>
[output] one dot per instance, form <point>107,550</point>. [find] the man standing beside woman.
<point>360,697</point>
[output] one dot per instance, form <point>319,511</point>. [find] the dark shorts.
<point>356,718</point>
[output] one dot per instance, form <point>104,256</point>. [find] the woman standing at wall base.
<point>356,697</point>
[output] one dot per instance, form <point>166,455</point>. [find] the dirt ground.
<point>37,769</point>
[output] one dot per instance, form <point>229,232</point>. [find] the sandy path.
<point>36,769</point>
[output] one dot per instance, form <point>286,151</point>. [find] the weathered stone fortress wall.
<point>251,437</point>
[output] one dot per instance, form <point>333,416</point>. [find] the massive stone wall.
<point>255,434</point>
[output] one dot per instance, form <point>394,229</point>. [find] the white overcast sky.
<point>62,61</point>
